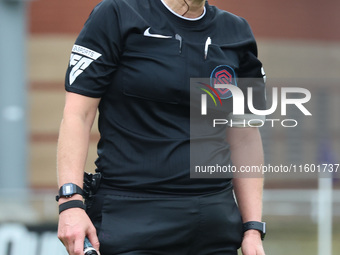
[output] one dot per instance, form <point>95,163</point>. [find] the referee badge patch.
<point>223,74</point>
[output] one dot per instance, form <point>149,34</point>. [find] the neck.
<point>196,7</point>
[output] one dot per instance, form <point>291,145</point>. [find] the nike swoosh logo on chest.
<point>147,33</point>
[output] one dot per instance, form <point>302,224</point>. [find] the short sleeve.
<point>251,75</point>
<point>95,54</point>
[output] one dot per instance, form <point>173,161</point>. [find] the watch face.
<point>68,189</point>
<point>264,227</point>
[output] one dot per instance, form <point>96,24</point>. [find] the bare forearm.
<point>72,150</point>
<point>248,187</point>
<point>248,192</point>
<point>74,135</point>
<point>246,150</point>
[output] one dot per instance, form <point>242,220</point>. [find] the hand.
<point>252,243</point>
<point>74,225</point>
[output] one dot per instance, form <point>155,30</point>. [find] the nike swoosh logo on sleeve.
<point>147,33</point>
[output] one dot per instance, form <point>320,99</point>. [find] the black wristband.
<point>71,204</point>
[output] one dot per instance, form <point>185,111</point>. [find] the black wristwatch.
<point>68,190</point>
<point>257,225</point>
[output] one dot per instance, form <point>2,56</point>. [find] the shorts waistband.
<point>104,189</point>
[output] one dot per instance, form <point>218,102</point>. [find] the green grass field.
<point>296,236</point>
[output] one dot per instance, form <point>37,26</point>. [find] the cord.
<point>187,9</point>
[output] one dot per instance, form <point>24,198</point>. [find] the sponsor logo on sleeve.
<point>80,59</point>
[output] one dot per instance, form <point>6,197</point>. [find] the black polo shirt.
<point>139,57</point>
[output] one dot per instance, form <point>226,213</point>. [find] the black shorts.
<point>132,224</point>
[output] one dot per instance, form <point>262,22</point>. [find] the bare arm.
<point>73,143</point>
<point>246,150</point>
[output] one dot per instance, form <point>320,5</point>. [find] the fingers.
<point>74,243</point>
<point>78,247</point>
<point>92,236</point>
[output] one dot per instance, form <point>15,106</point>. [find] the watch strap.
<point>257,225</point>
